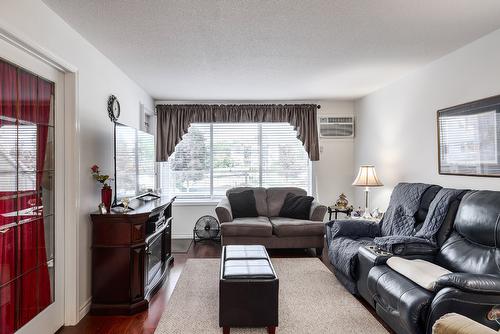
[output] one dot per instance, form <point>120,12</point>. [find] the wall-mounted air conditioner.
<point>335,127</point>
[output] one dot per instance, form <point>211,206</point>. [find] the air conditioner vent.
<point>336,126</point>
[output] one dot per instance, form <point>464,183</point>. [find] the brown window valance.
<point>174,119</point>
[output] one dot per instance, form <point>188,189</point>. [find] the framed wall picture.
<point>469,138</point>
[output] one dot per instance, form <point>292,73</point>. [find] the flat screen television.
<point>134,162</point>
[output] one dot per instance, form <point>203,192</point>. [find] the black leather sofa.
<point>468,246</point>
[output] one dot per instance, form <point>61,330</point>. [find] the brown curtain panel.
<point>174,119</point>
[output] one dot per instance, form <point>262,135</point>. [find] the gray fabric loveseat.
<point>268,229</point>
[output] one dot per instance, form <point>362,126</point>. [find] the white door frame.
<point>71,166</point>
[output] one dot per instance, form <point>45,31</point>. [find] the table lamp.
<point>367,177</point>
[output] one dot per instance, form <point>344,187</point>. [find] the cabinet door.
<point>137,256</point>
<point>154,257</point>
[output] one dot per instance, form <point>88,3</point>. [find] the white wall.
<point>333,173</point>
<point>98,77</point>
<point>396,126</point>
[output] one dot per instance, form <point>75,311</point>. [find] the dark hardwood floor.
<point>146,322</point>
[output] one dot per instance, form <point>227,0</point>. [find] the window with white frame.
<point>212,158</point>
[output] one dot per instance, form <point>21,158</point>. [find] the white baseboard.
<point>84,309</point>
<point>182,236</point>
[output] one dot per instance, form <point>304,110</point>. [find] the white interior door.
<point>32,210</point>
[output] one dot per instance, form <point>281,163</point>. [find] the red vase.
<point>106,193</point>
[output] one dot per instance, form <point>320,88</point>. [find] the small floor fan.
<point>206,228</point>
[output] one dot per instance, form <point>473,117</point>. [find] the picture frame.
<point>469,138</point>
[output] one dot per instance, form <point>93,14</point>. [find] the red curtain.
<point>25,101</point>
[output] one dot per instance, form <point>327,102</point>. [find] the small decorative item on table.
<point>106,191</point>
<point>125,202</point>
<point>340,206</point>
<point>102,208</point>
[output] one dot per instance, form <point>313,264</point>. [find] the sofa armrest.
<point>481,307</point>
<point>453,323</point>
<point>476,283</point>
<point>406,245</point>
<point>223,211</point>
<point>354,228</point>
<point>318,211</point>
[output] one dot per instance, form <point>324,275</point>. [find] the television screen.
<point>134,162</point>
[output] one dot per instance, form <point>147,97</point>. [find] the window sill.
<point>196,202</point>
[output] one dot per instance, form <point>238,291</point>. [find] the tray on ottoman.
<point>248,289</point>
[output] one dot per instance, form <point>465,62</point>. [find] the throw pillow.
<point>297,207</point>
<point>243,204</point>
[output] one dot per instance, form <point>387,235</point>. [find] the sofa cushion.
<point>276,197</point>
<point>248,227</point>
<point>297,207</point>
<point>243,204</point>
<point>260,198</point>
<point>423,273</point>
<point>288,227</point>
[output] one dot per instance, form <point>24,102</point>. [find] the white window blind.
<point>212,158</point>
<point>284,159</point>
<point>134,154</point>
<point>18,157</point>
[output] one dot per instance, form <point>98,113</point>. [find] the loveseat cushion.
<point>260,198</point>
<point>289,227</point>
<point>296,207</point>
<point>276,198</point>
<point>248,227</point>
<point>243,204</point>
<point>421,272</point>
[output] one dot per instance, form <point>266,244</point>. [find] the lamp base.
<point>367,214</point>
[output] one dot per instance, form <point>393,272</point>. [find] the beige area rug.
<point>311,300</point>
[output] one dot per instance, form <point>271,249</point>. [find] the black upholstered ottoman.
<point>248,289</point>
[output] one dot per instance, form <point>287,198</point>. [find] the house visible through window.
<point>212,158</point>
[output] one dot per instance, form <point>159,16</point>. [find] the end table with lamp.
<point>336,210</point>
<point>367,177</point>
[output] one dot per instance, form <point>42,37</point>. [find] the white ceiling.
<point>274,49</point>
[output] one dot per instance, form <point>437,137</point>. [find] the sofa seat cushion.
<point>289,227</point>
<point>423,273</point>
<point>400,302</point>
<point>248,227</point>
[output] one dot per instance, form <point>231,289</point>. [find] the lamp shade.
<point>367,177</point>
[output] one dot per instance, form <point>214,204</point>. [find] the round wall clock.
<point>113,108</point>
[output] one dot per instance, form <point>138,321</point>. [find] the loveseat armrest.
<point>223,211</point>
<point>317,212</point>
<point>476,283</point>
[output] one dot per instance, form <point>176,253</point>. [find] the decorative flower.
<point>101,178</point>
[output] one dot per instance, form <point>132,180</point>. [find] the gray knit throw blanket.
<point>399,218</point>
<point>430,228</point>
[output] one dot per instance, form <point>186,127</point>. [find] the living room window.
<point>212,158</point>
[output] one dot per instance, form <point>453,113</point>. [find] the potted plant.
<point>106,192</point>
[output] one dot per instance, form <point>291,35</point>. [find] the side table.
<point>336,211</point>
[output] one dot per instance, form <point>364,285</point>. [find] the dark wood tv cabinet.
<point>131,256</point>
